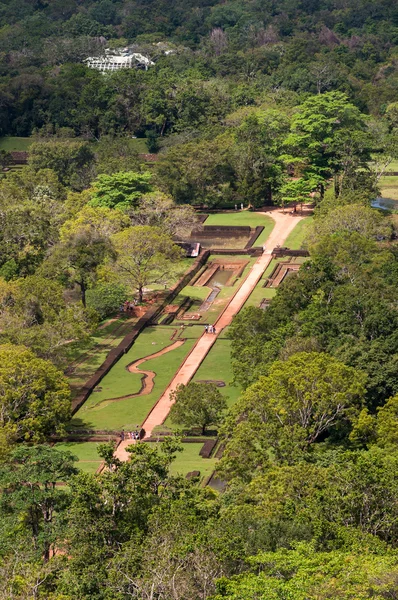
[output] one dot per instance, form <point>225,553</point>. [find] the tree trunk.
<point>140,295</point>
<point>204,429</point>
<point>82,285</point>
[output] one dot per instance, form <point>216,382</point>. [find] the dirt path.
<point>147,381</point>
<point>284,225</point>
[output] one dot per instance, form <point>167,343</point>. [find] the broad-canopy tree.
<point>75,260</point>
<point>197,405</point>
<point>70,159</point>
<point>34,395</point>
<point>121,190</point>
<point>159,210</point>
<point>34,313</point>
<point>145,255</point>
<point>32,498</point>
<point>320,127</point>
<point>299,401</point>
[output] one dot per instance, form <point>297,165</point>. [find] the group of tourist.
<point>127,306</point>
<point>210,329</point>
<point>132,435</point>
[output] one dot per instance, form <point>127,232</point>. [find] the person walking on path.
<point>213,329</point>
<point>206,328</point>
<point>122,435</point>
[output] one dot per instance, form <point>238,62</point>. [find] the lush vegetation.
<point>253,102</point>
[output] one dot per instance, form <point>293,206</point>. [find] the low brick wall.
<point>125,345</point>
<point>259,229</point>
<point>221,231</point>
<point>280,252</point>
<point>236,252</point>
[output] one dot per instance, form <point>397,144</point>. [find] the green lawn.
<point>389,187</point>
<point>99,413</point>
<point>88,355</point>
<point>216,366</point>
<point>15,143</point>
<point>86,452</point>
<point>295,239</point>
<point>189,460</point>
<point>244,218</point>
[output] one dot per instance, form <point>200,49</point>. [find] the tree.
<point>106,299</point>
<point>298,402</point>
<point>321,127</point>
<point>145,255</point>
<point>304,572</point>
<point>34,313</point>
<point>100,221</point>
<point>197,404</point>
<point>114,155</point>
<point>70,159</point>
<point>159,210</point>
<point>31,497</point>
<point>387,422</point>
<point>76,259</point>
<point>350,218</point>
<point>34,395</point>
<point>121,190</point>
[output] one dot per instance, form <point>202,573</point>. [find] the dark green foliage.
<point>106,299</point>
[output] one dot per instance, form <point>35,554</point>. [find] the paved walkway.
<point>284,225</point>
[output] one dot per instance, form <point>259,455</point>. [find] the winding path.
<point>284,225</point>
<point>147,380</point>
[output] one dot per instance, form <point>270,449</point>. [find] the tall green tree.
<point>35,396</point>
<point>31,498</point>
<point>145,255</point>
<point>197,404</point>
<point>121,190</point>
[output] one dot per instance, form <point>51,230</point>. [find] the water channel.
<point>220,278</point>
<point>385,204</point>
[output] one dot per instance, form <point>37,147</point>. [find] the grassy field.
<point>20,144</point>
<point>216,366</point>
<point>244,218</point>
<point>99,412</point>
<point>189,460</point>
<point>295,239</point>
<point>86,452</point>
<point>389,187</point>
<point>86,356</point>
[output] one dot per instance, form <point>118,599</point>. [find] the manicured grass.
<point>295,239</point>
<point>217,366</point>
<point>86,452</point>
<point>389,187</point>
<point>189,460</point>
<point>258,294</point>
<point>232,243</point>
<point>244,218</point>
<point>19,144</point>
<point>127,413</point>
<point>90,354</point>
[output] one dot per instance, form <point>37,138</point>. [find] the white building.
<point>115,62</point>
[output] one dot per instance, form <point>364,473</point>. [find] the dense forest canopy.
<point>244,48</point>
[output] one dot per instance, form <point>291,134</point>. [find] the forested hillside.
<point>251,109</point>
<point>226,55</point>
